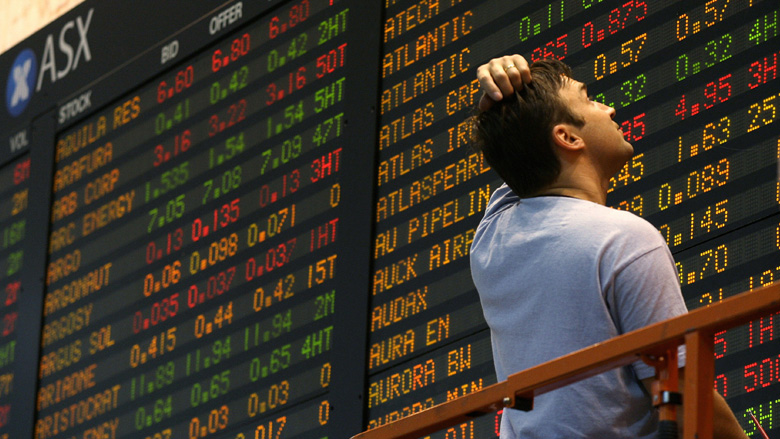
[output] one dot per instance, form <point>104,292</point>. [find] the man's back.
<point>557,274</point>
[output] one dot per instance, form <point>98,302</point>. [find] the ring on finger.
<point>510,66</point>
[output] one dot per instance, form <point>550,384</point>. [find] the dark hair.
<point>515,135</point>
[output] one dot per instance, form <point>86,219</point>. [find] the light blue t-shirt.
<point>558,274</point>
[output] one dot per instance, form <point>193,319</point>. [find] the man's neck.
<point>595,196</point>
<point>580,177</point>
<point>581,182</point>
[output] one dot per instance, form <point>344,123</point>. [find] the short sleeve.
<point>644,292</point>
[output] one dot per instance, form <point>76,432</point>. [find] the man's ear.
<point>566,137</point>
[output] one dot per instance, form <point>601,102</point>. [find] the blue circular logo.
<point>21,82</point>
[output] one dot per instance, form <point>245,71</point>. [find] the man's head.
<point>526,137</point>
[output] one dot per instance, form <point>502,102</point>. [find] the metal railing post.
<point>699,378</point>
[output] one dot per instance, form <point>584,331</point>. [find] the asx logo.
<point>24,74</point>
<point>21,81</point>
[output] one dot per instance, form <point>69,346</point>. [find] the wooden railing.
<point>695,330</point>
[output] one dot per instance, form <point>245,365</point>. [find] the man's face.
<point>602,136</point>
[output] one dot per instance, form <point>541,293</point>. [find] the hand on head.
<point>501,77</point>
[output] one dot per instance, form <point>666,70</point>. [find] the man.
<point>556,269</point>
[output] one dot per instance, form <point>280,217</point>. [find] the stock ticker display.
<point>14,184</point>
<point>266,234</point>
<point>194,243</point>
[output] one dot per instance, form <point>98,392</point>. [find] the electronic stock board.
<point>252,219</point>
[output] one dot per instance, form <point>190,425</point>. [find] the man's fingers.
<point>520,74</point>
<point>488,84</point>
<point>498,70</point>
<point>501,77</point>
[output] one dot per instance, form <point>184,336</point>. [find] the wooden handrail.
<point>695,329</point>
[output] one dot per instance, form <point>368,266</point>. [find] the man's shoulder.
<point>571,209</point>
<point>617,227</point>
<point>620,218</point>
<point>564,216</point>
<point>632,224</point>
